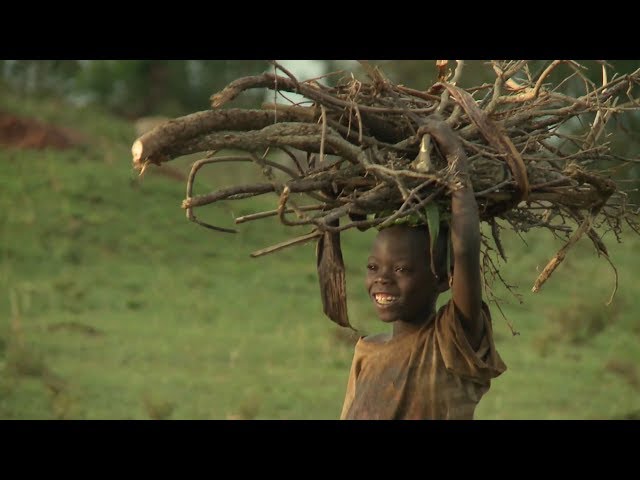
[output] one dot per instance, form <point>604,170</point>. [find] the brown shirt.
<point>431,374</point>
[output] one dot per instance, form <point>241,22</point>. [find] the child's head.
<point>399,278</point>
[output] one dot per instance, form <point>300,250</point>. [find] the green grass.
<point>114,306</point>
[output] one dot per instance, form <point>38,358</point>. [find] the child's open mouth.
<point>384,298</point>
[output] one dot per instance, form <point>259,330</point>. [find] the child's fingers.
<point>431,123</point>
<point>441,133</point>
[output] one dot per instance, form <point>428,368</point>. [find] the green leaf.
<point>433,222</point>
<point>432,212</point>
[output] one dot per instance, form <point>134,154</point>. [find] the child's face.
<point>399,278</point>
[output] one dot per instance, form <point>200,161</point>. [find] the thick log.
<point>303,136</point>
<point>156,145</point>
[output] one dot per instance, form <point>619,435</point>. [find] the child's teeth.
<point>384,299</point>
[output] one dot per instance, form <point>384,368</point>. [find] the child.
<point>432,365</point>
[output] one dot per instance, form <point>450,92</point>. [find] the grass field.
<point>114,306</point>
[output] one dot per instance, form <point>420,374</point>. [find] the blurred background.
<point>114,306</point>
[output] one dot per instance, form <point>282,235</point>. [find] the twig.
<point>533,93</point>
<point>287,73</point>
<point>444,98</point>
<point>192,174</point>
<point>287,243</point>
<point>323,134</point>
<point>271,213</point>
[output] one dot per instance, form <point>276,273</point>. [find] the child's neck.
<point>402,327</point>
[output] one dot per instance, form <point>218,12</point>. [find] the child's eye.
<point>402,269</point>
<point>371,267</point>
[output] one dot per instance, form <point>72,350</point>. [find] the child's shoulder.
<point>378,339</point>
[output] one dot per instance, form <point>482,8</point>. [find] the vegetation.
<point>114,306</point>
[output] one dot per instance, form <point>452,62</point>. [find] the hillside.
<point>114,306</point>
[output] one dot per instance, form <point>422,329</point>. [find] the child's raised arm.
<point>465,232</point>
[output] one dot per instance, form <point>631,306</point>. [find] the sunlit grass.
<point>113,305</point>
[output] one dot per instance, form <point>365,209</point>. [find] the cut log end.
<point>141,158</point>
<point>136,151</point>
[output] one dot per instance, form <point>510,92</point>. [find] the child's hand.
<point>444,136</point>
<point>450,146</point>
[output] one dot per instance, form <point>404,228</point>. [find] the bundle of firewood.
<point>357,152</point>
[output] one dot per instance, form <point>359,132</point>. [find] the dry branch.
<point>530,168</point>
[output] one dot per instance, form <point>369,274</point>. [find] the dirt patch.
<point>75,327</point>
<point>626,370</point>
<point>29,133</point>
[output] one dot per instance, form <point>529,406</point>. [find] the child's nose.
<point>383,276</point>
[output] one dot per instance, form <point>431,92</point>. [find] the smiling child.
<point>432,365</point>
